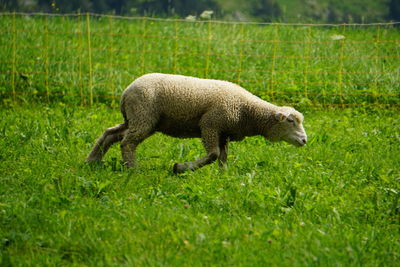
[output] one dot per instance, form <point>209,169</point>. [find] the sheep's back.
<point>186,97</point>
<point>180,102</point>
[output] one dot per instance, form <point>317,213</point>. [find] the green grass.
<point>332,202</point>
<point>47,58</point>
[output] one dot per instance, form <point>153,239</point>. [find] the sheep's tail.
<point>118,128</point>
<point>106,140</point>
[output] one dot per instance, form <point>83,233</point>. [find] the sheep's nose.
<point>304,140</point>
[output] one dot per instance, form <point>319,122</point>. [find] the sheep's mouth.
<point>299,142</point>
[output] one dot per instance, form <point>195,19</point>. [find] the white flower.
<point>190,18</point>
<point>336,37</point>
<point>206,14</point>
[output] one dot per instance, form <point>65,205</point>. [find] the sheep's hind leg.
<point>130,142</point>
<point>107,139</point>
<point>210,141</point>
<point>223,156</point>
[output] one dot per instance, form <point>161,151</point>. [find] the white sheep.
<point>181,106</point>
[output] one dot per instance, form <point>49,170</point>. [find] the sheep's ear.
<point>280,116</point>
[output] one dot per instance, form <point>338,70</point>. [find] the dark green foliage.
<point>120,7</point>
<point>394,10</point>
<point>181,8</point>
<point>266,10</point>
<point>333,11</point>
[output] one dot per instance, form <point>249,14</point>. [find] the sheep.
<point>188,107</point>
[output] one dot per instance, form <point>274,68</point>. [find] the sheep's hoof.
<point>223,167</point>
<point>127,165</point>
<point>179,168</point>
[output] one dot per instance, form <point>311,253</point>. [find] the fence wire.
<point>89,58</point>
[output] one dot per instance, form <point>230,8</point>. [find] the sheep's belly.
<point>183,129</point>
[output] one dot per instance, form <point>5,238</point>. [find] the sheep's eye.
<point>290,120</point>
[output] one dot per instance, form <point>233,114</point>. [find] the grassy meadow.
<point>88,59</point>
<point>334,202</point>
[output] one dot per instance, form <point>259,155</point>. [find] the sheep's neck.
<point>260,118</point>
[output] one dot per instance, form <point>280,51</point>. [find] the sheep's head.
<point>289,127</point>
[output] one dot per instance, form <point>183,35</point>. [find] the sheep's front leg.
<point>210,140</point>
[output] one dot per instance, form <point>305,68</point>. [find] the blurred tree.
<point>394,10</point>
<point>266,10</point>
<point>9,5</point>
<point>175,7</point>
<point>316,11</point>
<point>63,6</point>
<point>356,10</point>
<point>334,11</point>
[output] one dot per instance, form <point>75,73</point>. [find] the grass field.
<point>333,202</point>
<point>85,59</point>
